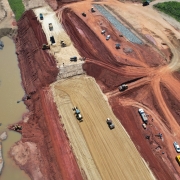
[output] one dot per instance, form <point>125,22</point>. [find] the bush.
<point>17,7</point>
<point>171,8</point>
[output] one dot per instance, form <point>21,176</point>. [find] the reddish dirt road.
<point>144,71</point>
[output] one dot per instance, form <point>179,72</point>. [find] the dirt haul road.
<point>154,88</point>
<point>112,150</point>
<point>151,83</point>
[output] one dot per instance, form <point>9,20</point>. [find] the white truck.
<point>143,115</point>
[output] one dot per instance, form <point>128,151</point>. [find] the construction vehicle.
<point>73,59</point>
<point>63,44</point>
<point>110,124</point>
<point>178,159</point>
<point>16,127</point>
<point>146,3</point>
<point>84,14</point>
<point>143,115</point>
<point>117,46</point>
<point>52,39</point>
<point>44,47</point>
<point>123,87</point>
<point>78,114</point>
<point>108,37</point>
<point>50,26</point>
<point>103,31</point>
<point>92,10</point>
<point>41,16</point>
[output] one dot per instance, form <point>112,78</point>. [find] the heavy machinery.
<point>41,16</point>
<point>92,10</point>
<point>52,40</point>
<point>63,44</point>
<point>117,46</point>
<point>17,127</point>
<point>110,124</point>
<point>84,14</point>
<point>143,115</point>
<point>73,59</point>
<point>123,87</point>
<point>103,31</point>
<point>44,47</point>
<point>50,26</point>
<point>78,114</point>
<point>146,3</point>
<point>178,159</point>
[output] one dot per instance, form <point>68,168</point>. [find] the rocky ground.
<point>148,70</point>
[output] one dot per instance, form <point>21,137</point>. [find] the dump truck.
<point>73,59</point>
<point>110,123</point>
<point>123,87</point>
<point>78,114</point>
<point>143,115</point>
<point>50,26</point>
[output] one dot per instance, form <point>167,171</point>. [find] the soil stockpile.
<point>38,70</point>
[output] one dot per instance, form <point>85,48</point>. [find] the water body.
<point>10,112</point>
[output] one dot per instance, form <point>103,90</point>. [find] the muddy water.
<point>10,112</point>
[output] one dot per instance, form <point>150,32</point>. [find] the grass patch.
<point>171,8</point>
<point>17,7</point>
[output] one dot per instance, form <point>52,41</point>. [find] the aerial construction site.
<point>102,79</point>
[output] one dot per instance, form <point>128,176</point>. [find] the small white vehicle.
<point>177,147</point>
<point>108,37</point>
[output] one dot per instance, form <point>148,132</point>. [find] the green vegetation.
<point>17,7</point>
<point>171,8</point>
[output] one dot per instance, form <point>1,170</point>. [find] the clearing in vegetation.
<point>171,8</point>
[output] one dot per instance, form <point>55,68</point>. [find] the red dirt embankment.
<point>110,68</point>
<point>38,70</point>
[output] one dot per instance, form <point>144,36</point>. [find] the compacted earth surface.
<point>54,144</point>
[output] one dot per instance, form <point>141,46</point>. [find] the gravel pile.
<point>126,32</point>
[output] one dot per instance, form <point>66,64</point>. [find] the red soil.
<point>38,70</point>
<point>143,69</point>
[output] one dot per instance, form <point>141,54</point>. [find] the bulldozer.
<point>78,114</point>
<point>44,47</point>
